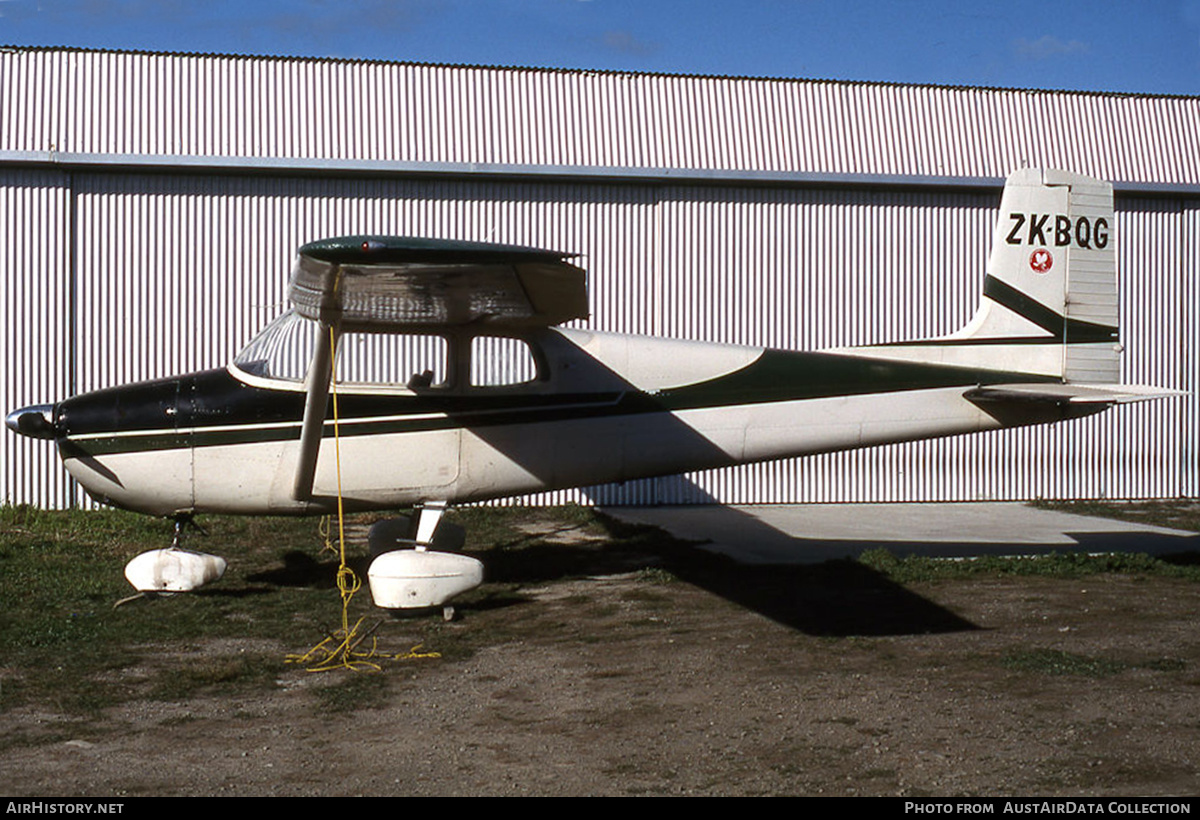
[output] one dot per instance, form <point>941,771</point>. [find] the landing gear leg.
<point>183,521</point>
<point>425,525</point>
<point>428,516</point>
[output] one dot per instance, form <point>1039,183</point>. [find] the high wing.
<point>382,283</point>
<point>388,284</point>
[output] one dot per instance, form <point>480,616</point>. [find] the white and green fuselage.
<point>590,408</point>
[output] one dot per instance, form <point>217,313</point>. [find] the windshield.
<point>282,351</point>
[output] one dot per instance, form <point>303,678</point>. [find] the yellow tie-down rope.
<point>341,650</point>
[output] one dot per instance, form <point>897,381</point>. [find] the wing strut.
<point>316,385</point>
<point>385,284</point>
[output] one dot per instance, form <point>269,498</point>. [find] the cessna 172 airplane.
<point>404,327</point>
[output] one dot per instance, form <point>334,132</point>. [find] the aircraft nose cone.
<point>35,421</point>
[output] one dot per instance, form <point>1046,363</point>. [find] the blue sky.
<point>1096,45</point>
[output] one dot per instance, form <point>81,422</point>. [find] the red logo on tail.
<point>1041,261</point>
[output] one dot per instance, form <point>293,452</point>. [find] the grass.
<point>65,644</point>
<point>65,647</point>
<point>350,693</point>
<point>1180,514</point>
<point>1057,662</point>
<point>918,569</point>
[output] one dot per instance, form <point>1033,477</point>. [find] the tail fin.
<point>1047,324</point>
<point>1051,279</point>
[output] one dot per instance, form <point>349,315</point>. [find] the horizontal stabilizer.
<point>1070,393</point>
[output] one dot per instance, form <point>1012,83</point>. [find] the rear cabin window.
<point>498,361</point>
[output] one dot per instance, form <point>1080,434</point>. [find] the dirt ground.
<point>728,681</point>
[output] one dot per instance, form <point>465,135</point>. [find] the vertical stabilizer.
<point>1051,278</point>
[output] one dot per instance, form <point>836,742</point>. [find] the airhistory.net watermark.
<point>52,807</point>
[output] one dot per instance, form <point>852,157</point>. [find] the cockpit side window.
<point>411,360</point>
<point>285,347</point>
<point>500,361</point>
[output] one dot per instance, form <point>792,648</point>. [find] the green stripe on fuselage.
<point>776,376</point>
<point>780,375</point>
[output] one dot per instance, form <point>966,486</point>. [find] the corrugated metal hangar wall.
<point>152,203</point>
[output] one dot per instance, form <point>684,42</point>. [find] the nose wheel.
<point>174,569</point>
